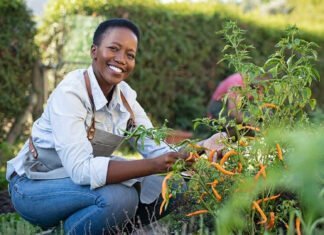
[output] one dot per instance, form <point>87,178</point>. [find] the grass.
<point>174,223</point>
<point>12,224</point>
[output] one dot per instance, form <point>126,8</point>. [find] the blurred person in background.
<point>229,100</point>
<point>216,103</point>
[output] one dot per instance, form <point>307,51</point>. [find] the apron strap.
<point>91,130</point>
<point>131,120</point>
<point>32,148</point>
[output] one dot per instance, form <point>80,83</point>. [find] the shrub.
<point>18,54</point>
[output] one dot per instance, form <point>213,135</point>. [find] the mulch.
<point>5,203</point>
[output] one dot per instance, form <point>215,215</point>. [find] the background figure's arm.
<point>232,103</point>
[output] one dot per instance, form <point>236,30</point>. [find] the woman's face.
<point>114,59</point>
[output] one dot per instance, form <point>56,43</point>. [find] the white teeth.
<point>117,70</point>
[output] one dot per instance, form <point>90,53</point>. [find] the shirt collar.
<point>116,99</point>
<point>99,98</point>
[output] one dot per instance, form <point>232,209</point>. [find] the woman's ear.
<point>93,52</point>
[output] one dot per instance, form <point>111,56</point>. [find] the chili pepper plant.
<point>270,178</point>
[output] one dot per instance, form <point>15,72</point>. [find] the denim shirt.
<point>63,127</point>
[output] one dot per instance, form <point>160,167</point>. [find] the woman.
<point>65,171</point>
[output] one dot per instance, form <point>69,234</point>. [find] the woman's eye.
<point>131,56</point>
<point>113,48</point>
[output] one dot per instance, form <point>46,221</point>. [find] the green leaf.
<point>312,103</point>
<point>290,98</point>
<point>315,73</point>
<point>289,61</point>
<point>307,92</point>
<point>226,48</point>
<point>195,125</point>
<point>277,87</point>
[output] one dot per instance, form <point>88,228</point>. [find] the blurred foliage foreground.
<point>270,178</point>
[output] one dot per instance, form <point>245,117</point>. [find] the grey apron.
<point>103,142</point>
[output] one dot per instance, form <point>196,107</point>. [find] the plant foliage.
<point>272,181</point>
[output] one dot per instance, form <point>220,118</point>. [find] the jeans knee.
<point>119,199</point>
<point>114,206</point>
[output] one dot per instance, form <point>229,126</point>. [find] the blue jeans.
<point>109,209</point>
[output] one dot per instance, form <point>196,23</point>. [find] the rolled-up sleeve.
<point>98,171</point>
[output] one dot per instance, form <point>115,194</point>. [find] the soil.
<point>5,203</point>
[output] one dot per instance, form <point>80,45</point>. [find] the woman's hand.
<point>215,142</point>
<point>165,162</point>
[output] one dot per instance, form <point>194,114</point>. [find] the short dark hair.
<point>115,22</point>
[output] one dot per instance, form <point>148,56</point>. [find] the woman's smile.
<point>115,69</point>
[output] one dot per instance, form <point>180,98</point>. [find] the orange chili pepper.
<point>261,171</point>
<point>214,183</point>
<point>226,156</point>
<point>211,155</point>
<point>269,105</point>
<point>196,155</point>
<point>243,143</point>
<point>267,198</point>
<point>165,185</point>
<point>271,221</point>
<point>162,206</point>
<point>298,231</point>
<point>279,151</point>
<point>258,208</point>
<point>216,194</point>
<point>240,167</point>
<point>250,128</point>
<point>221,169</point>
<point>190,156</point>
<point>199,212</point>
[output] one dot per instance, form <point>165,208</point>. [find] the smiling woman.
<point>113,54</point>
<point>66,170</point>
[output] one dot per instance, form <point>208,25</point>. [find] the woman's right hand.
<point>164,162</point>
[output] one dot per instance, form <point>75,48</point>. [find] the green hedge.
<point>17,57</point>
<point>177,68</point>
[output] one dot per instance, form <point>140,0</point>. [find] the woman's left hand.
<point>215,142</point>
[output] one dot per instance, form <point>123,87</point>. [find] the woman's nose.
<point>120,58</point>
